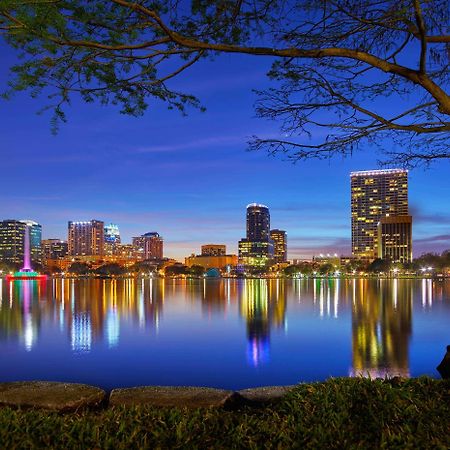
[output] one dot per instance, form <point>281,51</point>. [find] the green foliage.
<point>331,63</point>
<point>110,269</point>
<point>196,270</point>
<point>336,414</point>
<point>79,268</point>
<point>379,265</point>
<point>176,269</point>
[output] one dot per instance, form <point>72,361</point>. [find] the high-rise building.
<point>375,194</point>
<point>86,238</point>
<point>279,245</point>
<point>54,248</point>
<point>257,248</point>
<point>214,250</point>
<point>12,240</point>
<point>112,239</point>
<point>395,239</point>
<point>151,244</point>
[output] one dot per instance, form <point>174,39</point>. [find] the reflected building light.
<point>151,290</point>
<point>72,295</point>
<point>314,292</point>
<point>430,292</point>
<point>258,351</point>
<point>1,292</point>
<point>61,318</point>
<point>328,301</point>
<point>10,295</point>
<point>112,328</point>
<point>424,293</point>
<point>81,333</point>
<point>62,294</point>
<point>395,291</point>
<point>336,298</point>
<point>28,333</point>
<point>321,300</point>
<point>353,291</point>
<point>141,309</point>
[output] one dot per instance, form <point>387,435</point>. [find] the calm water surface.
<point>221,333</point>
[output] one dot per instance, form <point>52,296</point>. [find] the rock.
<point>50,395</point>
<point>444,367</point>
<point>182,396</point>
<point>266,394</point>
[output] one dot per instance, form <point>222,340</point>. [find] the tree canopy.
<point>334,64</point>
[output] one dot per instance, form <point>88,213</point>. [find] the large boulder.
<point>263,395</point>
<point>182,396</point>
<point>444,367</point>
<point>50,395</point>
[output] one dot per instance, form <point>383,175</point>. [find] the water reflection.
<point>110,315</point>
<point>381,327</point>
<point>263,306</point>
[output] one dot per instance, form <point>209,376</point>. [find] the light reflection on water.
<point>226,333</point>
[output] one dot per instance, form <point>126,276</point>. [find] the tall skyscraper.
<point>12,238</point>
<point>257,248</point>
<point>86,238</point>
<point>280,245</point>
<point>151,244</point>
<point>375,194</point>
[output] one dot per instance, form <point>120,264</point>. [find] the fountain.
<point>26,273</point>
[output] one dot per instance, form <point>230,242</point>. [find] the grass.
<point>339,413</point>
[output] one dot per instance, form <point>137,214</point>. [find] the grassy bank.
<point>339,413</point>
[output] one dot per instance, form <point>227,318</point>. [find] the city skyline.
<point>191,185</point>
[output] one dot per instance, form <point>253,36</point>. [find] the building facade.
<point>12,241</point>
<point>112,239</point>
<point>279,239</point>
<point>257,248</point>
<point>375,194</point>
<point>395,239</point>
<point>54,249</point>
<point>151,244</point>
<point>212,261</point>
<point>214,250</point>
<point>86,238</point>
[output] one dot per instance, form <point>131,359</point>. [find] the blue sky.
<point>189,178</point>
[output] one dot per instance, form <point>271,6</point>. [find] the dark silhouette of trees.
<point>79,268</point>
<point>334,64</point>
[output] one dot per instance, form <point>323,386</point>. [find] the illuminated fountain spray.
<point>26,251</point>
<point>26,273</point>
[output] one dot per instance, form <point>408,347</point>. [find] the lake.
<point>225,333</point>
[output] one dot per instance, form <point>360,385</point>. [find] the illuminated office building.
<point>12,240</point>
<point>151,244</point>
<point>257,248</point>
<point>395,239</point>
<point>112,239</point>
<point>279,245</point>
<point>375,194</point>
<point>214,250</point>
<point>86,238</point>
<point>54,249</point>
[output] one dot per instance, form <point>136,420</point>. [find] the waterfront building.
<point>54,249</point>
<point>257,248</point>
<point>151,245</point>
<point>395,239</point>
<point>12,239</point>
<point>375,194</point>
<point>86,238</point>
<point>212,261</point>
<point>112,239</point>
<point>279,239</point>
<point>214,250</point>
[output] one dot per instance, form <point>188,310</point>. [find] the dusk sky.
<point>189,178</point>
